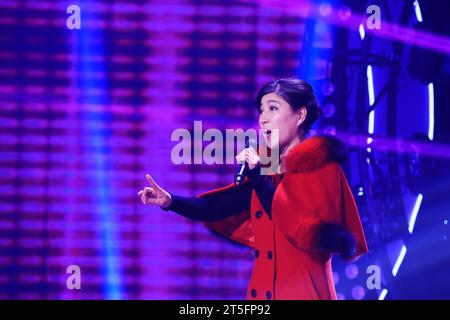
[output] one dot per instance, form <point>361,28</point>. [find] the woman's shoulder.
<point>316,153</point>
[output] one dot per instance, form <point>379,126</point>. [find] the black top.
<point>228,202</point>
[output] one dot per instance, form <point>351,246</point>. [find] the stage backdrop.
<point>86,113</point>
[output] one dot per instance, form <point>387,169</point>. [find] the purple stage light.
<point>358,292</point>
<point>351,271</point>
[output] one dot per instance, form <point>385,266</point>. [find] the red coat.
<point>289,263</point>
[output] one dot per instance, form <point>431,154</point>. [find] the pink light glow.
<point>388,30</point>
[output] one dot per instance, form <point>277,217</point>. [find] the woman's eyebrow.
<point>268,102</point>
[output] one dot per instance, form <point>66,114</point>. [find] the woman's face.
<point>276,113</point>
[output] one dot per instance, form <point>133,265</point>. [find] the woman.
<point>294,219</point>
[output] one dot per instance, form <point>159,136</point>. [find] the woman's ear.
<point>301,115</point>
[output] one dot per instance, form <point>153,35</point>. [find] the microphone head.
<point>251,143</point>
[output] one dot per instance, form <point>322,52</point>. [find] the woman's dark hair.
<point>297,93</point>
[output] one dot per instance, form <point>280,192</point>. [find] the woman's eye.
<point>272,108</point>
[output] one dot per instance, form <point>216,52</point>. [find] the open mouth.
<point>268,133</point>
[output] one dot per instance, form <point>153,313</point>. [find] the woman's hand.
<point>155,194</point>
<point>250,156</point>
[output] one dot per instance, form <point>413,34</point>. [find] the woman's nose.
<point>263,120</point>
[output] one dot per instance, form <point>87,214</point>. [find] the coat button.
<point>258,214</point>
<point>256,253</point>
<point>253,293</point>
<point>269,255</point>
<point>268,295</point>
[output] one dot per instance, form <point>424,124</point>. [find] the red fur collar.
<point>315,152</point>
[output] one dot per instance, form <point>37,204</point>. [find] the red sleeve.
<point>304,201</point>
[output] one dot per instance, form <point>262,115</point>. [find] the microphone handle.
<point>240,175</point>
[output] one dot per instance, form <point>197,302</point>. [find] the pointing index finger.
<point>151,181</point>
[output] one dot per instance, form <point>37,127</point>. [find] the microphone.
<point>243,168</point>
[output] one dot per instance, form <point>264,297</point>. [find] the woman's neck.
<point>285,150</point>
